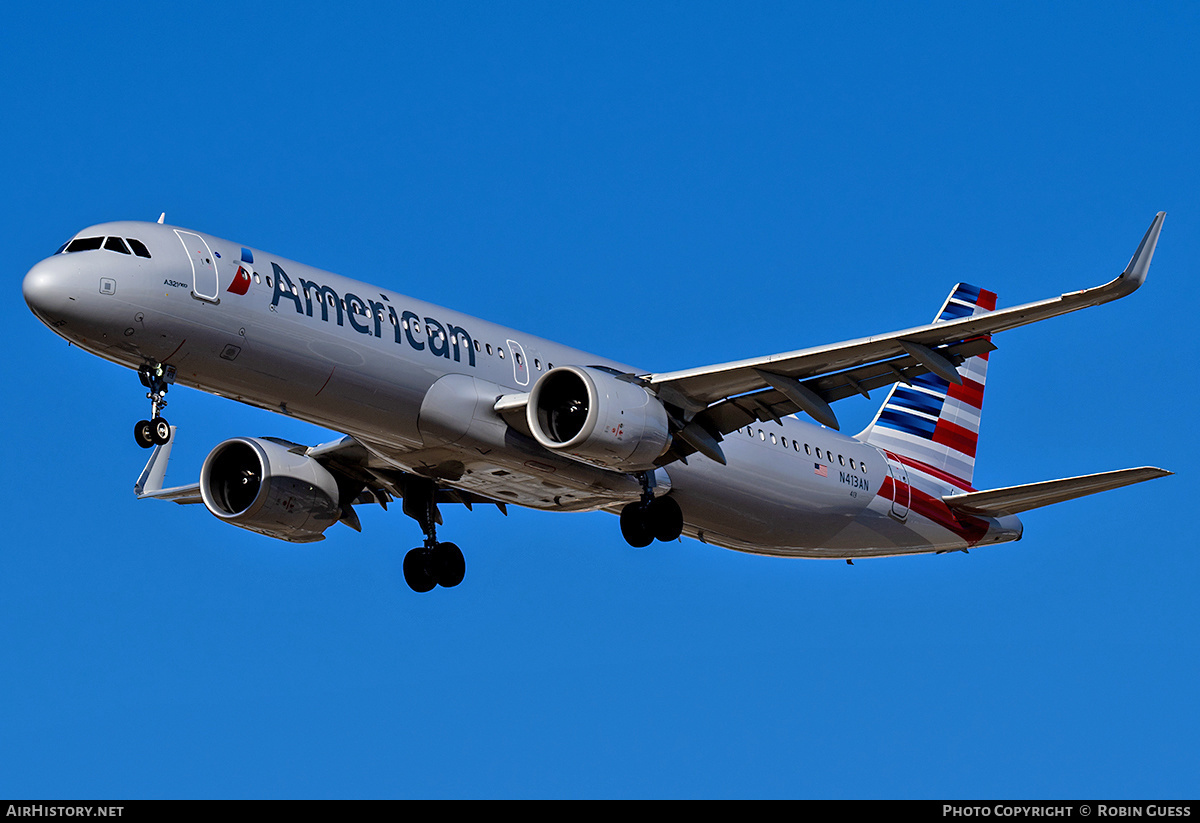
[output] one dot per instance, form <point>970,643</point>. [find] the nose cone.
<point>46,289</point>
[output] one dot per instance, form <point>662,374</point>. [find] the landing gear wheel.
<point>156,431</point>
<point>658,518</point>
<point>635,526</point>
<point>447,564</point>
<point>161,431</point>
<point>415,575</point>
<point>143,433</point>
<point>665,519</point>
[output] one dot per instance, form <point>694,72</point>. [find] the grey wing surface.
<point>725,397</point>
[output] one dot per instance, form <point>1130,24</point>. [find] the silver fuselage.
<point>402,376</point>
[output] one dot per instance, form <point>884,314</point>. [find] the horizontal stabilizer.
<point>1017,499</point>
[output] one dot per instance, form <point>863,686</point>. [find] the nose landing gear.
<point>156,431</point>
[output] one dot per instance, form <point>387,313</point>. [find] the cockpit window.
<point>84,244</point>
<point>116,244</point>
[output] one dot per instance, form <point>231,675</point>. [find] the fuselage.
<point>415,383</point>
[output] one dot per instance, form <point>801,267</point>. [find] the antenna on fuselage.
<point>162,217</point>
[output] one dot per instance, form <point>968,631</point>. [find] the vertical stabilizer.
<point>933,422</point>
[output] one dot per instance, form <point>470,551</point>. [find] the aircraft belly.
<point>532,482</point>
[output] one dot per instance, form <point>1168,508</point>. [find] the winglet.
<point>149,484</point>
<point>151,478</point>
<point>1135,273</point>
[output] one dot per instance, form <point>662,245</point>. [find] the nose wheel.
<point>156,431</point>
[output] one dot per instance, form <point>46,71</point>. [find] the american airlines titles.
<point>367,317</point>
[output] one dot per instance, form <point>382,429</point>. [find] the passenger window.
<point>841,460</point>
<point>807,450</point>
<point>85,244</point>
<point>139,248</point>
<point>773,440</point>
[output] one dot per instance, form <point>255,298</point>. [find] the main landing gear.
<point>651,517</point>
<point>434,563</point>
<point>156,431</point>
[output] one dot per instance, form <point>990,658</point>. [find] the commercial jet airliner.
<point>440,408</point>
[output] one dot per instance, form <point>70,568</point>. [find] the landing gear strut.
<point>434,563</point>
<point>156,431</point>
<point>651,517</point>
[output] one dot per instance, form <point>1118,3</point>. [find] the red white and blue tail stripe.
<point>933,425</point>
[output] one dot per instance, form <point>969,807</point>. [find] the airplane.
<point>439,408</point>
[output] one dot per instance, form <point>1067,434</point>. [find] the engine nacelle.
<point>262,486</point>
<point>597,418</point>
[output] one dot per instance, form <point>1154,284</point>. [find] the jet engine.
<point>598,418</point>
<point>265,487</point>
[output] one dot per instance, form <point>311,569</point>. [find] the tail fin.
<point>933,422</point>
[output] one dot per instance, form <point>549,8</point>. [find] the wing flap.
<point>731,414</point>
<point>1017,499</point>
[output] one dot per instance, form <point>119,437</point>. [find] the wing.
<point>722,398</point>
<point>371,477</point>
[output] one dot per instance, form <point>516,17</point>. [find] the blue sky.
<point>671,185</point>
